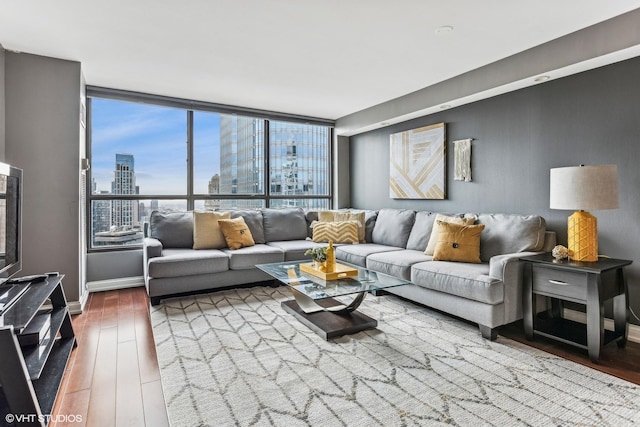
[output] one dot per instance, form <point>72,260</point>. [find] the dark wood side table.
<point>588,283</point>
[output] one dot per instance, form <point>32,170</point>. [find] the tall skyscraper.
<point>214,188</point>
<point>124,213</point>
<point>241,158</point>
<point>298,161</point>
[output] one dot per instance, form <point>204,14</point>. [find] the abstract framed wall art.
<point>417,163</point>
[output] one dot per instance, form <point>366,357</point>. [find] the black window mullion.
<point>267,162</point>
<point>190,200</point>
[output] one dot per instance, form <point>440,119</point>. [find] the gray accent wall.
<point>588,118</point>
<point>42,110</point>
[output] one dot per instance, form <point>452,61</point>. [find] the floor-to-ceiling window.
<point>151,153</point>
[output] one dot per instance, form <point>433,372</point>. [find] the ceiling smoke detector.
<point>445,29</point>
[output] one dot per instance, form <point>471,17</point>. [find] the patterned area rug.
<point>236,358</point>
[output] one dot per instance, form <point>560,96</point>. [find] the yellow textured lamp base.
<point>582,234</point>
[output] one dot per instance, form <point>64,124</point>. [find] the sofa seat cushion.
<point>357,254</point>
<point>396,263</point>
<point>247,258</point>
<point>188,262</point>
<point>294,249</point>
<point>471,281</point>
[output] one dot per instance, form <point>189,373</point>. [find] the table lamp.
<point>583,188</point>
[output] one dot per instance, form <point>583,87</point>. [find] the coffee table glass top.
<point>317,288</point>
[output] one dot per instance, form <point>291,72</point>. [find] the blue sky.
<point>156,136</point>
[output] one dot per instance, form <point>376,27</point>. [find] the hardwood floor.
<point>113,377</point>
<point>620,362</point>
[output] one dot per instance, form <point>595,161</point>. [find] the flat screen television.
<point>10,221</point>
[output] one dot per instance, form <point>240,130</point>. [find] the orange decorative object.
<point>582,234</point>
<point>340,271</point>
<point>330,263</point>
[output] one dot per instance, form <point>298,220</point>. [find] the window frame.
<point>189,107</point>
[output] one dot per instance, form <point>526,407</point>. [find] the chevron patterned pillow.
<point>337,232</point>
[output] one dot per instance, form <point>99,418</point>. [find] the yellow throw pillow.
<point>339,216</point>
<point>458,243</point>
<point>337,232</point>
<point>206,231</point>
<point>435,231</point>
<point>236,233</point>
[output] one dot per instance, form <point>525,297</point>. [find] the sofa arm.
<point>505,267</point>
<point>549,241</point>
<point>508,268</point>
<point>152,247</point>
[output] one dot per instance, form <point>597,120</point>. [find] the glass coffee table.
<point>314,304</point>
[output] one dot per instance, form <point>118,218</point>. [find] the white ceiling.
<point>318,58</point>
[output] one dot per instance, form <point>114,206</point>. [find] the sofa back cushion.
<point>310,216</point>
<point>393,227</point>
<point>284,224</point>
<point>174,230</point>
<point>421,230</point>
<point>253,219</point>
<point>506,234</point>
<point>370,218</point>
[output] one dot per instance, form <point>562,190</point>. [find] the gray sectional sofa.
<point>489,293</point>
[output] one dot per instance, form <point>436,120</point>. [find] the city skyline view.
<point>141,149</point>
<point>156,136</point>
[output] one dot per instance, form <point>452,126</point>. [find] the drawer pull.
<point>558,282</point>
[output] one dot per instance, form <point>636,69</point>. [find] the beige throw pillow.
<point>326,216</point>
<point>336,231</point>
<point>206,231</point>
<point>341,216</point>
<point>435,231</point>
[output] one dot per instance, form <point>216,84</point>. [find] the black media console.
<point>36,339</point>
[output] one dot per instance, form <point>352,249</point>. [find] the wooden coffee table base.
<point>328,324</point>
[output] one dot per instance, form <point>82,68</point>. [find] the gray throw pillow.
<point>173,229</point>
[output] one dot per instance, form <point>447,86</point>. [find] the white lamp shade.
<point>584,187</point>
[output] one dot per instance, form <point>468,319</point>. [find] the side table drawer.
<point>565,284</point>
